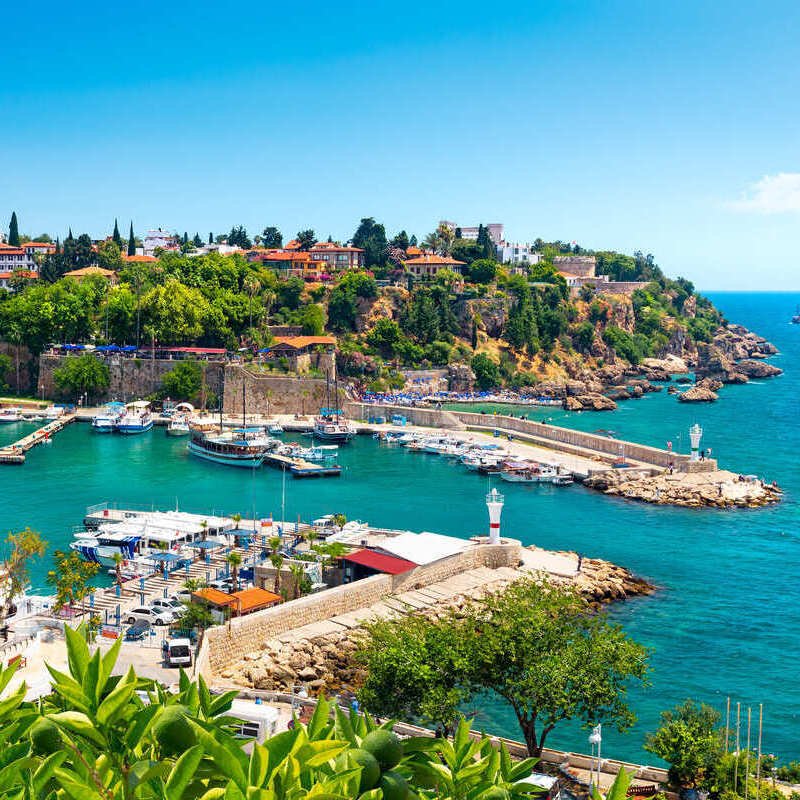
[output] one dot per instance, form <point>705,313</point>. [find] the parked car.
<point>168,603</point>
<point>137,631</point>
<point>182,596</point>
<point>155,616</point>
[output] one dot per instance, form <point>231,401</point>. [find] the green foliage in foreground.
<point>100,736</point>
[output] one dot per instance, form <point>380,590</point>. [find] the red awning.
<point>391,565</point>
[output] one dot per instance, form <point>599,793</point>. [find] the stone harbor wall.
<point>268,393</point>
<point>425,417</point>
<point>226,645</point>
<point>321,655</point>
<point>130,378</point>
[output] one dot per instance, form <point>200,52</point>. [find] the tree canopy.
<point>535,645</point>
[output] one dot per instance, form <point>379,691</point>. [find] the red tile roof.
<point>215,597</point>
<point>304,341</point>
<point>430,258</point>
<point>254,599</point>
<point>332,247</point>
<point>381,562</point>
<point>20,273</point>
<point>140,259</point>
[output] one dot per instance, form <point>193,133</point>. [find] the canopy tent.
<point>129,348</point>
<point>208,544</point>
<point>184,407</point>
<point>165,558</point>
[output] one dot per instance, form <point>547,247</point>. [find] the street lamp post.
<point>595,742</point>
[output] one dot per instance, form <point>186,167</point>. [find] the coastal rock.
<point>712,384</point>
<point>757,369</point>
<point>698,394</point>
<point>589,402</point>
<point>671,364</point>
<point>715,488</point>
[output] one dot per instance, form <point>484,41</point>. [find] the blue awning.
<point>165,558</point>
<point>208,544</point>
<point>129,348</point>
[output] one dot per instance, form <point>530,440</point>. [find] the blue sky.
<point>670,127</point>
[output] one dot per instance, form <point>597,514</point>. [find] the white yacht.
<point>105,421</point>
<point>138,418</point>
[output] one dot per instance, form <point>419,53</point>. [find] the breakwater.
<point>552,436</point>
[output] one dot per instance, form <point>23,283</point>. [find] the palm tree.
<point>298,573</point>
<point>234,560</point>
<point>276,559</point>
<point>237,518</point>
<point>204,530</point>
<point>118,569</point>
<point>310,536</point>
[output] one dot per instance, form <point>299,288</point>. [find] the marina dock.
<point>301,468</point>
<point>15,453</point>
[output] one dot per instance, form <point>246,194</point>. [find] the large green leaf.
<point>77,652</point>
<point>80,724</point>
<point>114,705</point>
<point>183,771</point>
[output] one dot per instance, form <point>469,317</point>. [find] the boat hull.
<point>131,430</point>
<point>247,461</point>
<point>177,432</point>
<point>333,437</point>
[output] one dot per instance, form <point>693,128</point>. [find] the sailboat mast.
<point>244,403</point>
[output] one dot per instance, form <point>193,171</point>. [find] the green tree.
<point>689,740</point>
<point>290,291</point>
<point>306,239</point>
<point>238,238</point>
<point>568,663</point>
<point>183,382</point>
<point>371,237</point>
<point>484,270</point>
<point>342,309</point>
<point>234,560</point>
<point>6,365</point>
<point>13,231</point>
<point>173,313</point>
<point>71,579</point>
<point>384,336</point>
<point>271,238</point>
<point>422,320</point>
<point>116,238</point>
<point>312,320</point>
<point>487,374</point>
<point>22,546</point>
<point>109,256</point>
<point>485,243</point>
<point>82,374</point>
<point>131,242</point>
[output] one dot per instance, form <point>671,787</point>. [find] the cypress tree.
<point>115,236</point>
<point>210,237</point>
<point>185,237</point>
<point>131,243</point>
<point>474,333</point>
<point>13,231</point>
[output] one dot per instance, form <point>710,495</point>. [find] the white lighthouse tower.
<point>695,433</point>
<point>494,502</point>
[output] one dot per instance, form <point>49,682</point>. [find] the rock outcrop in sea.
<point>717,488</point>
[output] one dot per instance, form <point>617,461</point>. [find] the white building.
<point>518,254</point>
<point>159,239</point>
<point>495,230</point>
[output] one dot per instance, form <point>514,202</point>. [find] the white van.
<point>179,653</point>
<point>256,720</point>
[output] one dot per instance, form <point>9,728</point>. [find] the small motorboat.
<point>9,415</point>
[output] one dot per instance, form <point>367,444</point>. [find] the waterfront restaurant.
<point>247,601</point>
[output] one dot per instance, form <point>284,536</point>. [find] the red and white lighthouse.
<point>494,502</point>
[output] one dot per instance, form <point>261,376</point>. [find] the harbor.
<point>685,551</point>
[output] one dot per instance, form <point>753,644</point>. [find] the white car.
<point>168,604</point>
<point>155,616</point>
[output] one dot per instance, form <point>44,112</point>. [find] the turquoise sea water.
<point>725,622</point>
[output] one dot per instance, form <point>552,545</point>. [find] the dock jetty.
<point>15,453</point>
